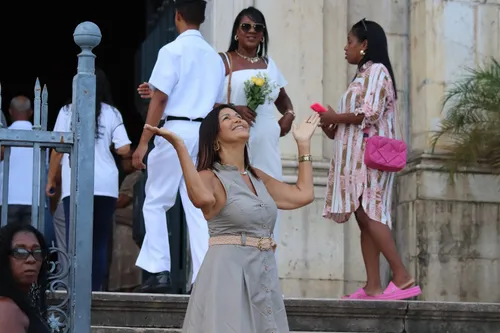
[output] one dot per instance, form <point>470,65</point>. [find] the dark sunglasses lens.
<point>38,255</point>
<point>20,253</point>
<point>24,254</point>
<point>259,28</point>
<point>245,27</point>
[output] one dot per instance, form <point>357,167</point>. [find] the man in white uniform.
<point>187,80</point>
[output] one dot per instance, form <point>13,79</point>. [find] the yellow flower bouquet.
<point>257,90</point>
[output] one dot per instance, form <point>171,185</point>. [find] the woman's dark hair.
<point>377,50</point>
<point>209,129</point>
<point>9,287</point>
<point>255,15</point>
<point>102,95</point>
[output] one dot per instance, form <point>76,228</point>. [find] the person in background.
<point>20,164</point>
<point>245,58</point>
<point>124,275</point>
<point>23,280</point>
<point>109,131</point>
<point>187,81</point>
<point>367,108</point>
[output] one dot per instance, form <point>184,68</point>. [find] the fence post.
<point>87,36</point>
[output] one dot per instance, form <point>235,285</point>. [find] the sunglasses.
<point>23,254</point>
<point>257,27</point>
<point>364,24</point>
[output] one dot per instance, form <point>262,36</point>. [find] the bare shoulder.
<point>6,304</point>
<point>210,179</point>
<point>207,175</point>
<point>11,315</point>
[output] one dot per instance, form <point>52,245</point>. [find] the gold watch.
<point>305,158</point>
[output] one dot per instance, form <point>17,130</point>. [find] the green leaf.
<point>472,122</point>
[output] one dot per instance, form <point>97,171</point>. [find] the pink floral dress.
<point>350,182</point>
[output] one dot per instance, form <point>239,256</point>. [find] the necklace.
<point>243,173</point>
<point>252,60</point>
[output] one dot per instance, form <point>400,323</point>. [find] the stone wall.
<point>429,42</point>
<point>449,234</point>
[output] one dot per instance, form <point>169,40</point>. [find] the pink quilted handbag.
<point>385,154</point>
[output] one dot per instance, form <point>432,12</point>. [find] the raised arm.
<point>202,187</point>
<point>289,196</point>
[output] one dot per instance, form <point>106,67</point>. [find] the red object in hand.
<point>318,108</point>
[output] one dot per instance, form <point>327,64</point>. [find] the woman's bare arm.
<point>287,196</point>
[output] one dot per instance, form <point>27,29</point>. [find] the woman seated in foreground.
<point>237,288</point>
<point>23,279</point>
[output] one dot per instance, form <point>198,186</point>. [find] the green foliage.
<point>472,121</point>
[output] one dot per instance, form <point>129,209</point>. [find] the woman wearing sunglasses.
<point>23,279</point>
<point>246,58</point>
<point>367,109</point>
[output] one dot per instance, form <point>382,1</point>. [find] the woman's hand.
<point>170,136</point>
<point>329,117</point>
<point>145,91</point>
<point>246,113</point>
<point>306,129</point>
<point>285,123</point>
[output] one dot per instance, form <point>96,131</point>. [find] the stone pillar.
<point>448,234</point>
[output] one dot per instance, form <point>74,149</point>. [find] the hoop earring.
<point>236,37</point>
<point>263,39</point>
<point>362,52</point>
<point>216,146</point>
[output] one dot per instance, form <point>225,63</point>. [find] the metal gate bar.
<point>73,313</point>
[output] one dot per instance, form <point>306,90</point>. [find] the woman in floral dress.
<point>367,108</point>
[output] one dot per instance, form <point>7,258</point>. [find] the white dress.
<point>263,145</point>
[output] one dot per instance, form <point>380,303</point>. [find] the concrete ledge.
<point>313,315</point>
<point>111,329</point>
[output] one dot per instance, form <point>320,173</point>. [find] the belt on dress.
<point>184,119</point>
<point>262,243</point>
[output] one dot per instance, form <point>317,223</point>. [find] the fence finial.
<point>87,35</point>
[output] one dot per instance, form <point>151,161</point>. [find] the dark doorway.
<point>36,40</point>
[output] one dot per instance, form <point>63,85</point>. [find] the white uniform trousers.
<point>163,183</point>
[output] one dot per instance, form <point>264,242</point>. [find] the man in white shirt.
<point>20,164</point>
<point>188,80</point>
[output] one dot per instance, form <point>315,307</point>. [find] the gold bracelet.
<point>305,158</point>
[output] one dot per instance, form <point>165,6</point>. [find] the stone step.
<point>156,311</point>
<point>112,329</point>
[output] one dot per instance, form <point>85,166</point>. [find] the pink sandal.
<point>393,293</point>
<point>358,294</point>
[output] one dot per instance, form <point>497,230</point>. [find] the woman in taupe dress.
<point>237,288</point>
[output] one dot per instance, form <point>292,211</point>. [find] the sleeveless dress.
<point>237,289</point>
<point>263,145</point>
